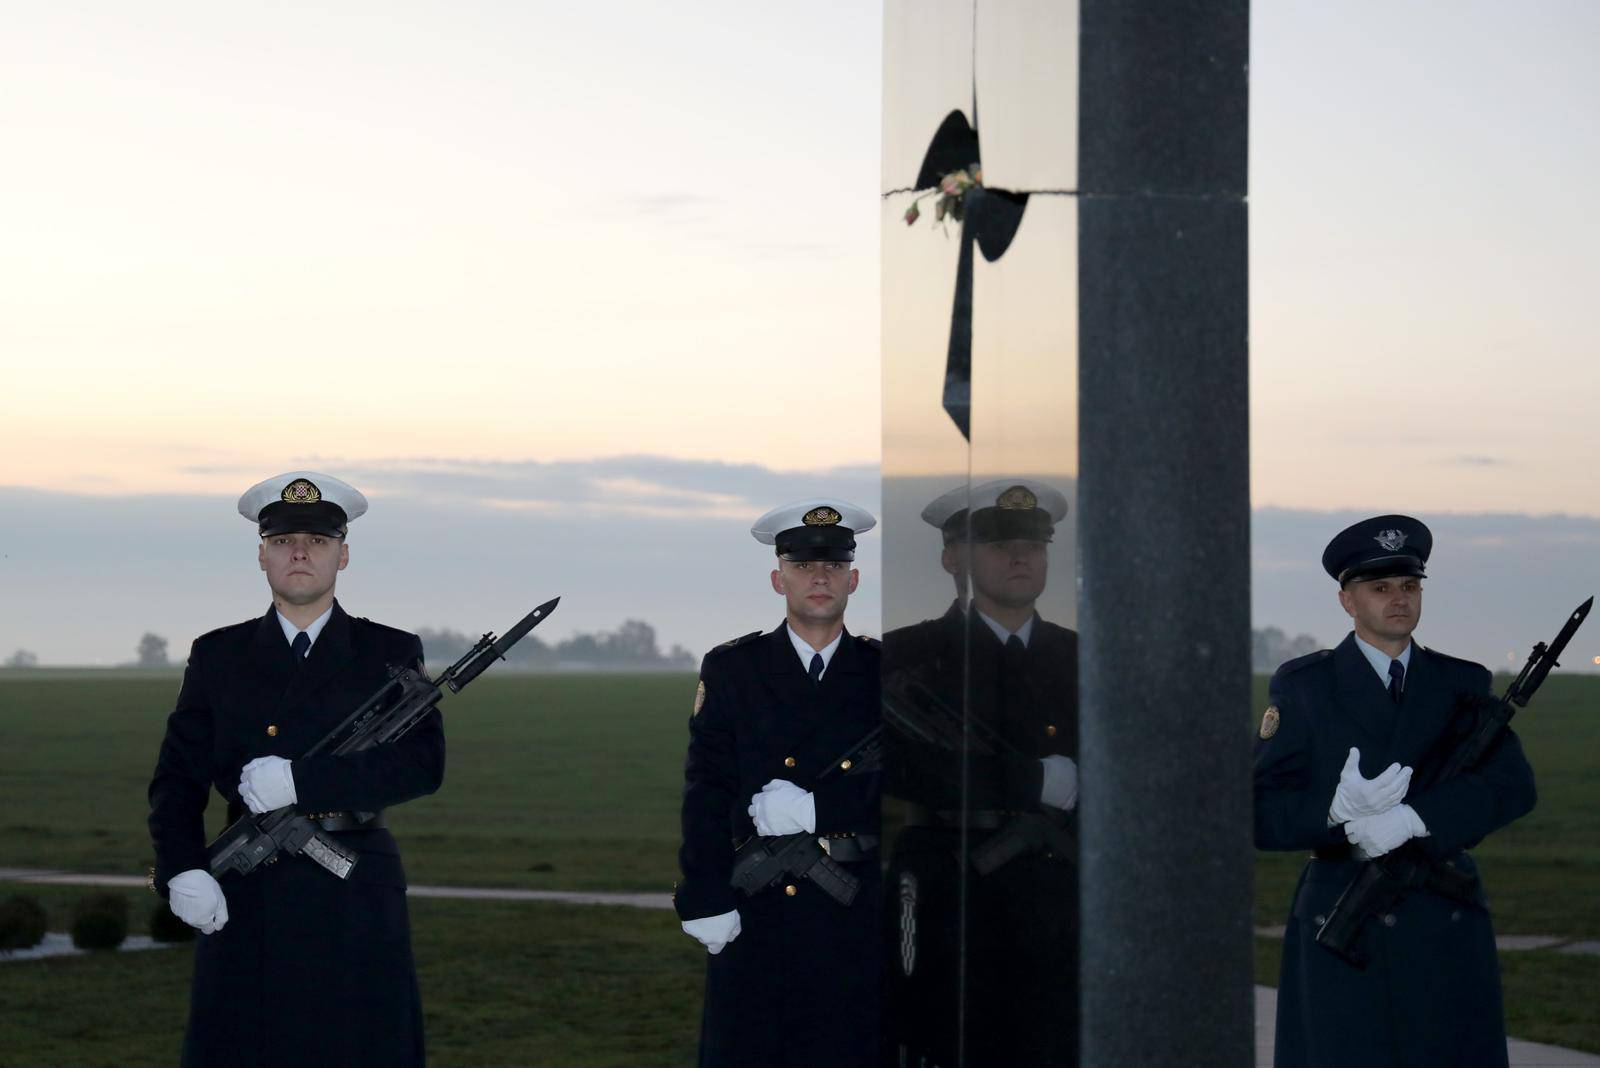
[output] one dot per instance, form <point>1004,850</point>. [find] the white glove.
<point>266,783</point>
<point>714,932</point>
<point>1357,797</point>
<point>197,900</point>
<point>1060,787</point>
<point>783,808</point>
<point>1376,835</point>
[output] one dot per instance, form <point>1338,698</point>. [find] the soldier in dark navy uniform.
<point>792,976</point>
<point>1333,775</point>
<point>294,966</point>
<point>1004,974</point>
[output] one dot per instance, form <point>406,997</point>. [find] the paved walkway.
<point>47,877</point>
<point>1523,1054</point>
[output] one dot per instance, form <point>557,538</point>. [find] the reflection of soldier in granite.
<point>988,800</point>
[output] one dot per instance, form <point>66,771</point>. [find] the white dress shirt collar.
<point>1024,632</point>
<point>290,630</point>
<point>1380,659</point>
<point>806,652</point>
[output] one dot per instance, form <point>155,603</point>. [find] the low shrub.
<point>100,921</point>
<point>22,922</point>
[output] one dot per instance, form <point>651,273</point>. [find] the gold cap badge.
<point>1269,722</point>
<point>302,491</point>
<point>1017,497</point>
<point>821,517</point>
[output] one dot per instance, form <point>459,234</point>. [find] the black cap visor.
<point>816,543</point>
<point>322,517</point>
<point>1001,524</point>
<point>1383,567</point>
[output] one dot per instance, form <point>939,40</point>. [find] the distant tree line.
<point>1270,647</point>
<point>632,645</point>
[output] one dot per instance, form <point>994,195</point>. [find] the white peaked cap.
<point>817,528</point>
<point>302,500</point>
<point>998,494</point>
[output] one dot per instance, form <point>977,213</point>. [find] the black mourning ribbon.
<point>989,219</point>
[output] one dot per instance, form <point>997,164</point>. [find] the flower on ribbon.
<point>952,195</point>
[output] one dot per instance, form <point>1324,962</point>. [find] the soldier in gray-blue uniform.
<point>293,965</point>
<point>792,975</point>
<point>1333,775</point>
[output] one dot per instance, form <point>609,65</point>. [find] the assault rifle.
<point>400,703</point>
<point>763,862</point>
<point>1383,882</point>
<point>913,709</point>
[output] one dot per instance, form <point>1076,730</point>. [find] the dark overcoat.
<point>1020,958</point>
<point>309,970</point>
<point>799,986</point>
<point>1431,992</point>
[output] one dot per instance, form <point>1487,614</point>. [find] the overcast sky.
<point>438,247</point>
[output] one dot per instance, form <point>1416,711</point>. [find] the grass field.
<point>502,984</point>
<point>571,782</point>
<point>552,781</point>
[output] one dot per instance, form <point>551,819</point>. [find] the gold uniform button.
<point>788,762</point>
<point>1050,731</point>
<point>272,730</point>
<point>844,765</point>
<point>790,890</point>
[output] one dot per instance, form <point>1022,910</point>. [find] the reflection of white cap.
<point>302,501</point>
<point>819,528</point>
<point>1003,509</point>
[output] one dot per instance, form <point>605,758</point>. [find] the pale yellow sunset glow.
<point>233,238</point>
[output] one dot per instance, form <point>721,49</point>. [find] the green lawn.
<point>502,984</point>
<point>552,781</point>
<point>571,782</point>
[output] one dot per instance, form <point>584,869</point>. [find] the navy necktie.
<point>1014,645</point>
<point>1397,679</point>
<point>816,667</point>
<point>301,643</point>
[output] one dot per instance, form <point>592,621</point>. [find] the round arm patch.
<point>1269,720</point>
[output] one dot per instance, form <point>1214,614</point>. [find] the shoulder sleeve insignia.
<point>699,697</point>
<point>1269,722</point>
